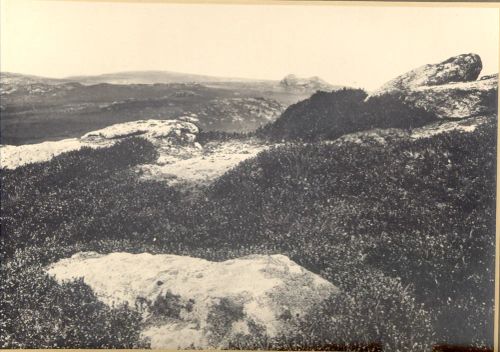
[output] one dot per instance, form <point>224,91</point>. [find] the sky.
<point>351,45</point>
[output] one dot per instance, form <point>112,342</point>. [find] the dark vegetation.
<point>167,305</point>
<point>220,136</point>
<point>222,316</point>
<point>330,115</point>
<point>406,230</point>
<point>37,312</point>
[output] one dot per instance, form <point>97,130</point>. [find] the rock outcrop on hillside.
<point>461,68</point>
<point>449,89</point>
<point>387,135</point>
<point>457,100</point>
<point>170,132</point>
<point>311,84</point>
<point>209,303</point>
<point>166,135</point>
<point>181,159</point>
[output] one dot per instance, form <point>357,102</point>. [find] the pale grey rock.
<point>461,68</point>
<point>256,290</point>
<point>449,89</point>
<point>457,100</point>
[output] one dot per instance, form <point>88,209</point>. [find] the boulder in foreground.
<point>191,302</point>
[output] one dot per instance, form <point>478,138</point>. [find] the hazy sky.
<point>361,46</point>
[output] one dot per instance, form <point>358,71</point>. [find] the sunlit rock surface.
<point>461,68</point>
<point>450,89</point>
<point>253,292</point>
<point>162,133</point>
<point>457,100</point>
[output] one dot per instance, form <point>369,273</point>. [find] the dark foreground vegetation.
<point>406,230</point>
<point>330,115</point>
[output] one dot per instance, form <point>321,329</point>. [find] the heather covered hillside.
<point>355,221</point>
<point>414,244</point>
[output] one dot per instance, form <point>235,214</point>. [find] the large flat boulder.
<point>191,302</point>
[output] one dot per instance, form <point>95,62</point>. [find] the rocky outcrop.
<point>449,89</point>
<point>192,302</point>
<point>156,131</point>
<point>386,136</point>
<point>164,134</point>
<point>311,84</point>
<point>201,165</point>
<point>181,159</point>
<point>457,100</point>
<point>461,68</point>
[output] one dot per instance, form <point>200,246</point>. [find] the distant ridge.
<point>152,77</point>
<point>290,81</point>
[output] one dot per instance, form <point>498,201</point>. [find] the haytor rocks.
<point>311,84</point>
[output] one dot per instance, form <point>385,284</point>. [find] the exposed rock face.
<point>307,84</point>
<point>13,156</point>
<point>383,136</point>
<point>156,131</point>
<point>181,160</point>
<point>216,301</point>
<point>457,100</point>
<point>461,68</point>
<point>449,89</point>
<point>202,165</point>
<point>164,134</point>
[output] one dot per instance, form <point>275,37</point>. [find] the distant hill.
<point>290,82</point>
<point>9,78</point>
<point>153,77</point>
<point>36,109</point>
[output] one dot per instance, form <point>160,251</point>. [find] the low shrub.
<point>37,312</point>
